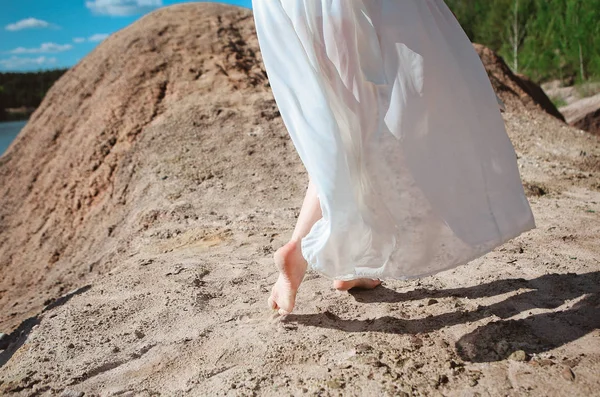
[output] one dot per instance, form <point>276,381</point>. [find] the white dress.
<point>395,119</point>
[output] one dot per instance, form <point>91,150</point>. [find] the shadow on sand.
<point>497,339</point>
<point>16,339</point>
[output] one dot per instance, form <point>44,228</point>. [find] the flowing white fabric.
<point>397,124</point>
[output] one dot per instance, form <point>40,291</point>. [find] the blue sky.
<point>49,34</point>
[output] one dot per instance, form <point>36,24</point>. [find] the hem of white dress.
<point>530,225</point>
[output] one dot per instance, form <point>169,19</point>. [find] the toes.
<point>274,306</point>
<point>376,283</point>
<point>272,303</point>
<point>283,312</point>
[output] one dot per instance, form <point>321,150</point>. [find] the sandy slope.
<point>171,263</point>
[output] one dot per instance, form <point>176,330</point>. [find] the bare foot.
<point>292,266</point>
<point>363,283</point>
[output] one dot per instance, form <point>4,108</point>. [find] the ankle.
<point>295,242</point>
<point>292,251</point>
<point>293,247</point>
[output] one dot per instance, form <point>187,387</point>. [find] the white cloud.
<point>28,23</point>
<point>97,37</point>
<point>43,49</point>
<point>19,63</point>
<point>122,7</point>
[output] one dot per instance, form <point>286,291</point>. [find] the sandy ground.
<point>184,310</point>
<point>176,303</point>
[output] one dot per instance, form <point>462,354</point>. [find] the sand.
<point>136,246</point>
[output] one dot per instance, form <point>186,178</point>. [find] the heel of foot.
<point>292,267</point>
<point>342,285</point>
<point>361,283</point>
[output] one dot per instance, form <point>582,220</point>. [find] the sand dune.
<point>141,205</point>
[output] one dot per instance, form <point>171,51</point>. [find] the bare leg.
<point>292,265</point>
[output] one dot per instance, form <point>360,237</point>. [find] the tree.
<point>2,105</point>
<point>545,39</point>
<point>25,89</point>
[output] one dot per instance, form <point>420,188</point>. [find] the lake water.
<point>8,132</point>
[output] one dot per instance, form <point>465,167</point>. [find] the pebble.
<point>290,327</point>
<point>416,342</point>
<point>3,341</point>
<point>451,364</point>
<point>335,384</point>
<point>363,348</point>
<point>567,374</point>
<point>432,302</point>
<point>146,262</point>
<point>442,379</point>
<point>518,355</point>
<point>544,362</point>
<point>71,393</point>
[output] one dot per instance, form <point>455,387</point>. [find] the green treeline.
<point>543,39</point>
<point>25,90</point>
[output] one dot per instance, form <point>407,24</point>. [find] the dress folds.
<point>395,119</point>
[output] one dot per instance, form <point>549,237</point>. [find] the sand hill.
<point>142,203</point>
<point>584,114</point>
<point>518,92</point>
